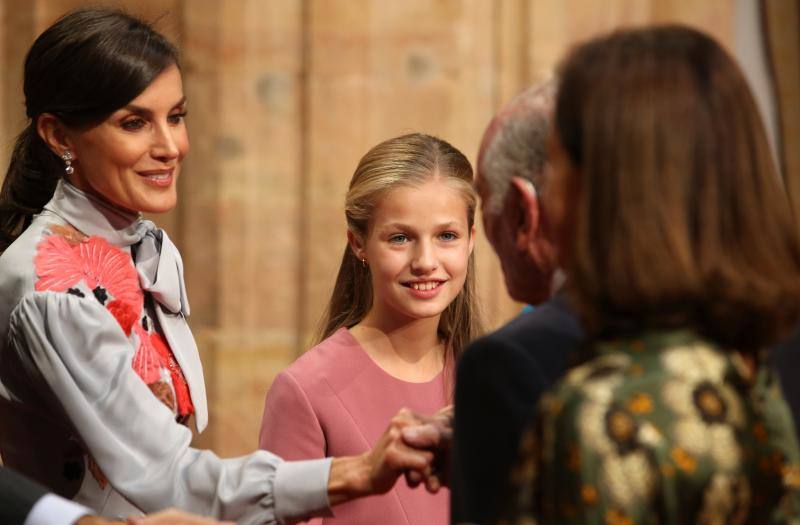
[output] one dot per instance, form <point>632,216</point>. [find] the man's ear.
<point>526,201</point>
<point>53,132</point>
<point>356,245</point>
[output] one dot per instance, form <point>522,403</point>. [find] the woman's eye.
<point>448,236</point>
<point>176,118</point>
<point>133,124</point>
<point>398,239</point>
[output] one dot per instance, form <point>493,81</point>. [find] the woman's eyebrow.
<point>141,110</point>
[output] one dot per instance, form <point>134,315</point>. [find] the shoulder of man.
<point>543,339</point>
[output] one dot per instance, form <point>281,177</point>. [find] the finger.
<point>413,478</point>
<point>433,484</point>
<point>422,436</point>
<point>401,457</point>
<point>406,417</point>
<point>447,412</point>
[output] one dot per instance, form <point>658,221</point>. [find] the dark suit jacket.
<point>17,496</point>
<point>498,383</point>
<point>786,361</point>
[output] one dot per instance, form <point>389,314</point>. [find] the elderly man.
<point>501,376</point>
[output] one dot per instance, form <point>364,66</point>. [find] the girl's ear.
<point>356,245</point>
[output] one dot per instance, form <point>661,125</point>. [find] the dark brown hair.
<point>408,160</point>
<point>81,69</point>
<point>679,217</point>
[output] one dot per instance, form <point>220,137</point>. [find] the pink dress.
<point>335,401</point>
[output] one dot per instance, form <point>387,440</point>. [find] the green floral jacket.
<point>662,429</point>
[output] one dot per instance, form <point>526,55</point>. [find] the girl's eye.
<point>133,124</point>
<point>448,236</point>
<point>398,239</point>
<point>176,118</point>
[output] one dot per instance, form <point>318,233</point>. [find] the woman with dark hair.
<point>99,372</point>
<point>684,265</point>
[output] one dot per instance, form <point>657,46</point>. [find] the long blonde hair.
<point>408,160</point>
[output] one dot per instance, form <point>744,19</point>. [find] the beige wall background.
<point>284,98</point>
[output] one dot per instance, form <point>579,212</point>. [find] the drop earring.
<point>364,262</point>
<point>68,158</point>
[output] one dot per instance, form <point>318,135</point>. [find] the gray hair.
<point>519,146</point>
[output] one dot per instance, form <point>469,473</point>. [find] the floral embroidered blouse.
<point>663,429</point>
<point>99,374</point>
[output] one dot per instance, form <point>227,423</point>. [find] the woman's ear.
<point>356,245</point>
<point>53,132</point>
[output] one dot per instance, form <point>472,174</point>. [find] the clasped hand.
<point>415,445</point>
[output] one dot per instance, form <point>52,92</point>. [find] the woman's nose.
<point>164,144</point>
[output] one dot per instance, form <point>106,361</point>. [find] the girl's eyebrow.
<point>401,226</point>
<point>397,226</point>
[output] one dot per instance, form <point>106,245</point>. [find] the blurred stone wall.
<point>284,98</point>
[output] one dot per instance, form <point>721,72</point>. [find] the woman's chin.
<point>157,202</point>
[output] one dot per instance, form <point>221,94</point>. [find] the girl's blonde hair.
<point>408,160</point>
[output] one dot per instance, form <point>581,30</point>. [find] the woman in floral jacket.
<point>684,264</point>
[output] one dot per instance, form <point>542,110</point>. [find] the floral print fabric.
<point>67,261</point>
<point>663,429</point>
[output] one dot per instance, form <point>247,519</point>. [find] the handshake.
<point>413,445</point>
<point>433,434</point>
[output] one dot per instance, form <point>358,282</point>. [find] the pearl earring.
<point>68,158</point>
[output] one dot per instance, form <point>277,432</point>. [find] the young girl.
<point>402,309</point>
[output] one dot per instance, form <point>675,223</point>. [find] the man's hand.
<point>433,433</point>
<point>376,471</point>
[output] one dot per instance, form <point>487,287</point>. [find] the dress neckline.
<point>351,341</point>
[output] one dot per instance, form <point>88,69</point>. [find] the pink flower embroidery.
<point>182,396</point>
<point>68,257</point>
<point>147,362</point>
<point>61,265</point>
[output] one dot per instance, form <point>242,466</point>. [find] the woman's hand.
<point>377,470</point>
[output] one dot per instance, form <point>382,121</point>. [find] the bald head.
<point>515,144</point>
